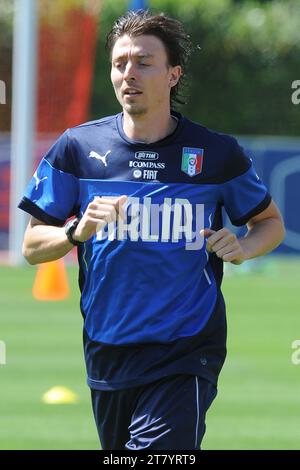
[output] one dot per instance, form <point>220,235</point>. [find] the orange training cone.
<point>51,281</point>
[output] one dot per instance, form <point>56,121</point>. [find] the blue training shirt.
<point>150,292</point>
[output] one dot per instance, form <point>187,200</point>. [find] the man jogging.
<point>146,188</point>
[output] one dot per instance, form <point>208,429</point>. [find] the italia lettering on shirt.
<point>170,221</point>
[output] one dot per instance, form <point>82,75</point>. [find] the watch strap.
<point>70,228</point>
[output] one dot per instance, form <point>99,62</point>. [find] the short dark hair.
<point>169,30</point>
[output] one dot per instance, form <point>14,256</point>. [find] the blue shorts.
<point>167,414</point>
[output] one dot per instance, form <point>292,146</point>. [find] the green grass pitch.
<point>257,406</point>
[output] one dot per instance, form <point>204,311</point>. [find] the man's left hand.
<point>224,244</point>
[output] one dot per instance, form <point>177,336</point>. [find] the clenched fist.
<point>224,244</point>
<point>99,212</point>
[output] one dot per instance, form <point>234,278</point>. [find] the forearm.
<point>44,243</point>
<point>262,237</point>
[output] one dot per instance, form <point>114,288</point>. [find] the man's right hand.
<point>99,212</point>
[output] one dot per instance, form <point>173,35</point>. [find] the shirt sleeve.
<point>52,193</point>
<point>244,195</point>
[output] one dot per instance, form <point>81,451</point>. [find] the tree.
<point>241,74</point>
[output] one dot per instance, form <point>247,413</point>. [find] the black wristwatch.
<point>70,228</point>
